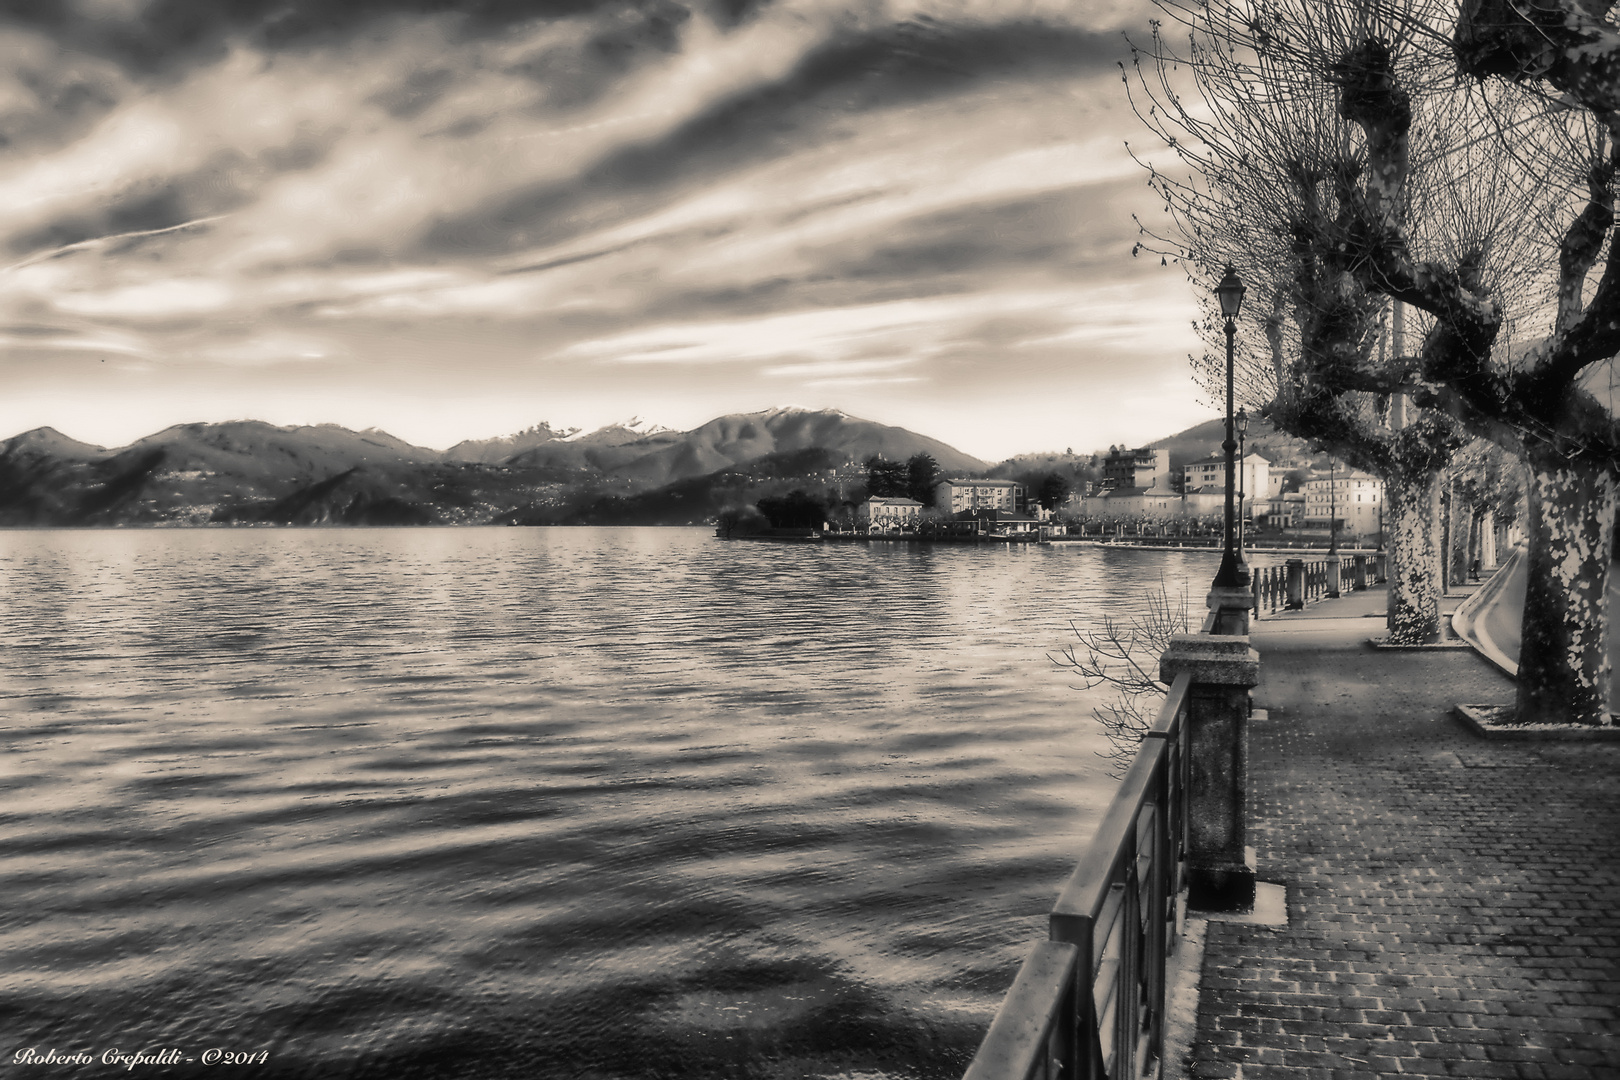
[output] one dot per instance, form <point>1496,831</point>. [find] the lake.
<point>575,803</point>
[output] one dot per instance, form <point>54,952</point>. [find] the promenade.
<point>1453,904</point>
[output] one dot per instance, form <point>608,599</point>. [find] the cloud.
<point>902,196</point>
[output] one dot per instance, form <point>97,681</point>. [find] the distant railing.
<point>1297,583</point>
<point>1090,1002</point>
<point>1316,581</point>
<point>1270,589</point>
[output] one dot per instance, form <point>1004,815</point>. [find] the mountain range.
<point>250,472</point>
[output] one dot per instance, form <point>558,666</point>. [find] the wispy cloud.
<point>894,198</point>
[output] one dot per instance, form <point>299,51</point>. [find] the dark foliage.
<point>922,473</point>
<point>796,510</point>
<point>888,479</point>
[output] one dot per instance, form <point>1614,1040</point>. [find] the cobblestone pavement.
<point>1453,903</point>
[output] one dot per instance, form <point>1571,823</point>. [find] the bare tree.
<point>1265,151</point>
<point>1124,654</point>
<point>1483,208</point>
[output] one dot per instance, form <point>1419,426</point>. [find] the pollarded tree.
<point>1531,401</point>
<point>1484,209</point>
<point>1267,151</point>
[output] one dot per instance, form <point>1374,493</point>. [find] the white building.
<point>1352,497</point>
<point>1133,502</point>
<point>955,496</point>
<point>881,514</point>
<point>1253,476</point>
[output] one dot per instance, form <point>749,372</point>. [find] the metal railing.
<point>1090,1002</point>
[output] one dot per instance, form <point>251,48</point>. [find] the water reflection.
<point>574,803</point>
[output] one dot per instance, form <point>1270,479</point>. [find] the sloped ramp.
<point>1489,620</point>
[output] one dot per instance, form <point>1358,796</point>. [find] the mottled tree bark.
<point>1413,505</point>
<point>1564,648</point>
<point>1459,531</point>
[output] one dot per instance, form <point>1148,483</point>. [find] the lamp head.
<point>1243,422</point>
<point>1230,291</point>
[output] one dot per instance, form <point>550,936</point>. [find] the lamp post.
<point>1233,574</point>
<point>1333,510</point>
<point>1242,430</point>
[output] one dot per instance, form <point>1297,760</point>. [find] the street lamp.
<point>1242,430</point>
<point>1233,573</point>
<point>1333,509</point>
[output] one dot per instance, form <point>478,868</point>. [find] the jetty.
<point>1426,901</point>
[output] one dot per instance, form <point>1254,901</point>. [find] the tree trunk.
<point>1461,524</point>
<point>1564,640</point>
<point>1414,555</point>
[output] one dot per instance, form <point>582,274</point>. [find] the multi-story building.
<point>1134,503</point>
<point>1209,474</point>
<point>955,496</point>
<point>1352,497</point>
<point>1285,510</point>
<point>887,514</point>
<point>1143,467</point>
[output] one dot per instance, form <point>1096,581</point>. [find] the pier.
<point>1431,903</point>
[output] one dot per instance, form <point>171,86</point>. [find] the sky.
<point>458,220</point>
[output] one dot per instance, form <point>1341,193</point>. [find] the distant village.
<point>1135,494</point>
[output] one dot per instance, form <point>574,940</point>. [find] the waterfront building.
<point>955,496</point>
<point>992,522</point>
<point>1209,474</point>
<point>1350,495</point>
<point>1134,502</point>
<point>1144,468</point>
<point>1285,510</point>
<point>887,514</point>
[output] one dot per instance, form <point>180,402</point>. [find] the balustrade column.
<point>1220,872</point>
<point>1296,584</point>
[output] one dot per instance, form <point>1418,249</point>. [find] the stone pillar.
<point>1333,574</point>
<point>1358,576</point>
<point>1296,584</point>
<point>1220,875</point>
<point>1231,605</point>
<point>1381,567</point>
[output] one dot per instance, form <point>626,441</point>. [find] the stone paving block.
<point>1452,902</point>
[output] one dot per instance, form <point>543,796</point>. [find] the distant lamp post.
<point>1233,573</point>
<point>1333,509</point>
<point>1242,430</point>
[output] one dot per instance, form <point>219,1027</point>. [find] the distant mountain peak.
<point>788,410</point>
<point>50,440</point>
<point>635,428</point>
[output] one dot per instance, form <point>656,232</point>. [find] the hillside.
<point>253,472</point>
<point>664,457</point>
<point>494,451</point>
<point>1204,440</point>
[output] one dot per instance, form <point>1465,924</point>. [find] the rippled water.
<point>537,802</point>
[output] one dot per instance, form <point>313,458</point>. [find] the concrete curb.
<point>1471,718</point>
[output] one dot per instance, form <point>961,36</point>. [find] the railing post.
<point>1332,576</point>
<point>1296,584</point>
<point>1223,669</point>
<point>1381,567</point>
<point>1231,605</point>
<point>1360,575</point>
